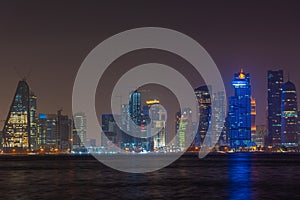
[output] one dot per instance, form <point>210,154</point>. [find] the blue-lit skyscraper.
<point>239,114</point>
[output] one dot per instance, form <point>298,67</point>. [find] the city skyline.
<point>34,38</point>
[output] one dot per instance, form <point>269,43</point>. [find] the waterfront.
<point>229,176</point>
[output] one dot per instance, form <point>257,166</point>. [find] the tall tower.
<point>79,131</point>
<point>34,139</point>
<point>253,116</point>
<point>135,107</point>
<point>16,130</point>
<point>289,115</point>
<point>204,103</point>
<point>275,80</point>
<point>239,114</point>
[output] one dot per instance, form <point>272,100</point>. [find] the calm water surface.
<point>232,176</point>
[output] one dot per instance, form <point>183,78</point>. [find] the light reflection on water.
<point>240,176</point>
<point>236,176</point>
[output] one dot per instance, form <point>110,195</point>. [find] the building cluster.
<point>240,131</point>
<point>26,131</point>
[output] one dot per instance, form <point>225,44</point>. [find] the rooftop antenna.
<point>21,76</point>
<point>18,73</point>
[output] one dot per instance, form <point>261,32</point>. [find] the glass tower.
<point>240,111</point>
<point>275,80</point>
<point>289,115</point>
<point>16,130</point>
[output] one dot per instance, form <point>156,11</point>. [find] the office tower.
<point>275,80</point>
<point>204,103</point>
<point>16,130</point>
<point>185,126</point>
<point>239,114</point>
<point>42,130</point>
<point>158,119</point>
<point>219,103</point>
<point>135,107</point>
<point>47,131</point>
<point>289,115</point>
<point>253,116</point>
<point>64,132</point>
<point>111,130</point>
<point>34,140</point>
<point>79,130</point>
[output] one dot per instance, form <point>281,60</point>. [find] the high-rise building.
<point>158,119</point>
<point>34,140</point>
<point>204,103</point>
<point>289,115</point>
<point>185,126</point>
<point>16,130</point>
<point>79,130</point>
<point>218,123</point>
<point>275,80</point>
<point>64,132</point>
<point>111,130</point>
<point>239,114</point>
<point>253,116</point>
<point>47,131</point>
<point>135,107</point>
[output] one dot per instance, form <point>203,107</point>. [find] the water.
<point>232,176</point>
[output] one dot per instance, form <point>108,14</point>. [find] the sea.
<point>217,176</point>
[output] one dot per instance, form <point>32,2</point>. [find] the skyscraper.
<point>275,80</point>
<point>289,115</point>
<point>135,107</point>
<point>185,126</point>
<point>204,103</point>
<point>16,130</point>
<point>79,131</point>
<point>64,130</point>
<point>253,116</point>
<point>34,140</point>
<point>158,119</point>
<point>239,114</point>
<point>47,129</point>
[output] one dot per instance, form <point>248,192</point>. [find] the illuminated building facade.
<point>16,130</point>
<point>289,115</point>
<point>34,139</point>
<point>219,102</point>
<point>275,80</point>
<point>79,131</point>
<point>158,119</point>
<point>253,121</point>
<point>239,114</point>
<point>204,103</point>
<point>135,107</point>
<point>47,131</point>
<point>185,126</point>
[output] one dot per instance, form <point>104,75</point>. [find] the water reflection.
<point>239,176</point>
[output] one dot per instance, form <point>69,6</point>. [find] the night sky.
<point>52,38</point>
